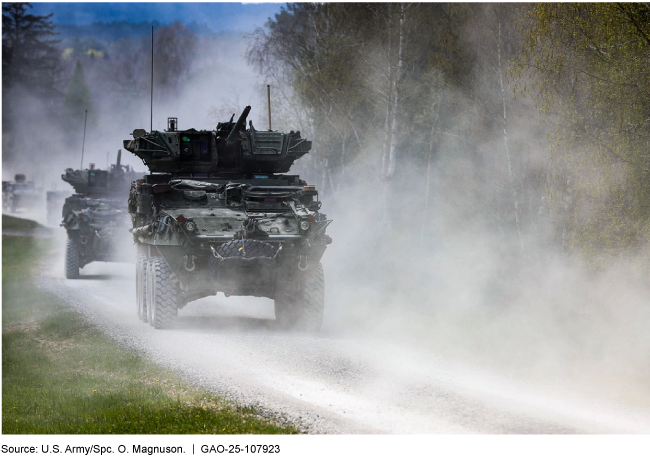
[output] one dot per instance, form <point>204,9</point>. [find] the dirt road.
<point>335,381</point>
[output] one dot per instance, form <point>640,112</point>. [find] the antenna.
<point>83,144</point>
<point>268,96</point>
<point>151,125</point>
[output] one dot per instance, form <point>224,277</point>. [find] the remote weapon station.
<point>218,214</point>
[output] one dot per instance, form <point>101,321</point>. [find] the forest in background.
<point>480,140</point>
<point>52,74</point>
<point>486,167</point>
<point>528,122</point>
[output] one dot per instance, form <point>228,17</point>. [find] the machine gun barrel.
<point>240,122</point>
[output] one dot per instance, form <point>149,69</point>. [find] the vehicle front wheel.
<point>72,260</point>
<point>162,300</point>
<point>304,310</point>
<point>141,286</point>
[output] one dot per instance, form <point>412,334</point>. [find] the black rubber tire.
<point>304,311</point>
<point>141,286</point>
<point>164,294</point>
<point>148,288</point>
<point>72,260</point>
<point>246,248</point>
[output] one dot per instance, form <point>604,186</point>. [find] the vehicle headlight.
<point>304,225</point>
<point>190,226</point>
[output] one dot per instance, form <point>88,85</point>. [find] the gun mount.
<point>230,150</point>
<point>217,214</point>
<point>95,182</point>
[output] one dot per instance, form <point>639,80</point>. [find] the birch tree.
<point>501,70</point>
<point>316,49</point>
<point>394,101</point>
<point>587,64</point>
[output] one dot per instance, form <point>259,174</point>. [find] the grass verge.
<point>61,375</point>
<point>17,223</point>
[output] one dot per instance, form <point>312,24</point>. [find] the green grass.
<point>61,375</point>
<point>16,223</point>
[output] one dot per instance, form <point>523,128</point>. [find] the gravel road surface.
<point>333,382</point>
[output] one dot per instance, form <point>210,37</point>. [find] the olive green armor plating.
<point>217,214</point>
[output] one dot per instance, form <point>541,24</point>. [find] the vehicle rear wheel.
<point>72,260</point>
<point>141,286</point>
<point>304,311</point>
<point>148,286</point>
<point>163,299</point>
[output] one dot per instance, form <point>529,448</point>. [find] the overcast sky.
<point>217,16</point>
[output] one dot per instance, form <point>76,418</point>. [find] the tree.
<point>78,101</point>
<point>29,54</point>
<point>309,48</point>
<point>174,50</point>
<point>358,71</point>
<point>495,34</point>
<point>588,65</point>
<point>30,79</point>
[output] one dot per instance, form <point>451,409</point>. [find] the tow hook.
<point>83,239</point>
<point>189,264</point>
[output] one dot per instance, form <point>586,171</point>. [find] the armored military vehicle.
<point>96,217</point>
<point>6,195</point>
<point>21,194</point>
<point>218,214</point>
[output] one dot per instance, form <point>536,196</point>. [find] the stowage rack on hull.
<point>219,215</point>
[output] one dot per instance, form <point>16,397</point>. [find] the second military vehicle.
<point>6,195</point>
<point>21,195</point>
<point>96,217</point>
<point>218,214</point>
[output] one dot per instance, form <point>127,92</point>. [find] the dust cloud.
<point>218,84</point>
<point>450,285</point>
<point>443,282</point>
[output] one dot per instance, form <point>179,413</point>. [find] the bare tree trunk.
<point>395,105</point>
<point>323,183</point>
<point>343,159</point>
<point>389,101</point>
<point>391,125</point>
<point>427,186</point>
<point>505,138</point>
<point>327,179</point>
